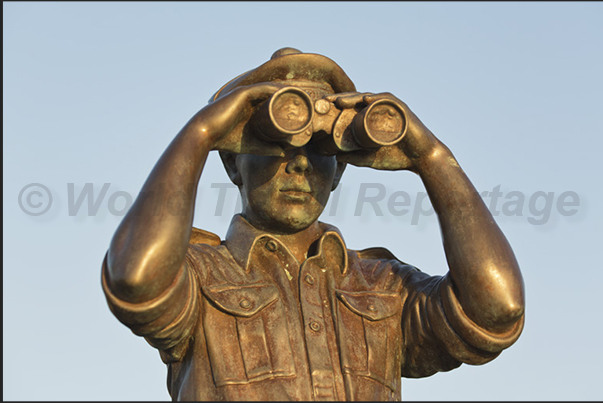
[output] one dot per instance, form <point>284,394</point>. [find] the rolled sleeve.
<point>166,322</point>
<point>438,335</point>
<point>484,341</point>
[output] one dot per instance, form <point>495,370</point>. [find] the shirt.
<point>243,320</point>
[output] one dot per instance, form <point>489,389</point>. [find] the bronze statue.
<point>281,309</point>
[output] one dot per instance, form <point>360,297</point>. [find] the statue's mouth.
<point>298,188</point>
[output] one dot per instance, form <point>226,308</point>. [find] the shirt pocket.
<point>369,327</point>
<point>246,333</point>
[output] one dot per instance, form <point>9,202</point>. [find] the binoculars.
<point>290,116</point>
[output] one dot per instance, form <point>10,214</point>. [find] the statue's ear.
<point>338,172</point>
<point>230,164</point>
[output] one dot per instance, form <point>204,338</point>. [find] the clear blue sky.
<point>94,92</point>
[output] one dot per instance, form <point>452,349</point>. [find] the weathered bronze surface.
<point>281,309</point>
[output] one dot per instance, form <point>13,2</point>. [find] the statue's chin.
<point>293,225</point>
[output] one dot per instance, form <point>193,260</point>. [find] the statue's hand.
<point>220,122</point>
<point>417,144</point>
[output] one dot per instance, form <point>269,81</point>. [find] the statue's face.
<point>287,194</point>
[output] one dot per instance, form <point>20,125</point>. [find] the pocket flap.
<point>370,304</point>
<point>243,300</point>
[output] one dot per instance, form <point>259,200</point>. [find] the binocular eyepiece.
<point>292,117</point>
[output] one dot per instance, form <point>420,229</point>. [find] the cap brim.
<point>299,66</point>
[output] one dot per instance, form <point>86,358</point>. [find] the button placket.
<point>314,316</point>
<point>279,257</point>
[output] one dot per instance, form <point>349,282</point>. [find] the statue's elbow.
<point>507,294</point>
<point>509,311</point>
<point>513,313</point>
<point>129,282</point>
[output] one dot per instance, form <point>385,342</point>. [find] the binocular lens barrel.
<point>287,113</point>
<point>382,123</point>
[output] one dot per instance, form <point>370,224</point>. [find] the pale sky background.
<point>94,92</point>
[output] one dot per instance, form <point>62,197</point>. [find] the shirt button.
<point>309,279</point>
<point>315,326</point>
<point>372,308</point>
<point>271,245</point>
<point>245,304</point>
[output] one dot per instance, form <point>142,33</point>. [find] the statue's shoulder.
<point>205,237</point>
<point>383,255</point>
<point>376,253</point>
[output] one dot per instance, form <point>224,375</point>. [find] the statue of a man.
<point>281,309</point>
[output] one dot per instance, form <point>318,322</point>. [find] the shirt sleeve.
<point>437,334</point>
<point>166,322</point>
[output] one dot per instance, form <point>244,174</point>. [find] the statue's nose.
<point>299,164</point>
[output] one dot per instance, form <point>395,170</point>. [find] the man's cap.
<point>292,65</point>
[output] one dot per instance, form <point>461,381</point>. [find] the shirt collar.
<point>242,238</point>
